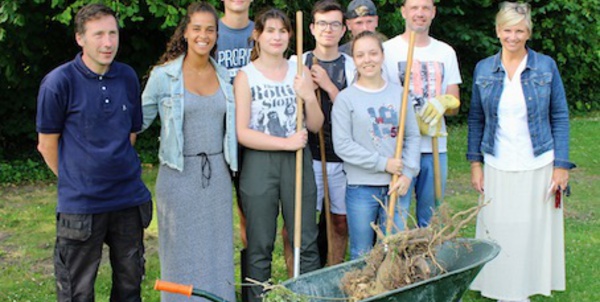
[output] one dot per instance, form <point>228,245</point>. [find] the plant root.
<point>407,256</point>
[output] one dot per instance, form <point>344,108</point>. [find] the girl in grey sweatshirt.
<point>365,123</point>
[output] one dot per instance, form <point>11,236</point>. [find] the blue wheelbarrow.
<point>461,259</point>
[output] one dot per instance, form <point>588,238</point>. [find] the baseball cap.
<point>360,8</point>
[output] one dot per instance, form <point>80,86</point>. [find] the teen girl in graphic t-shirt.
<point>265,94</point>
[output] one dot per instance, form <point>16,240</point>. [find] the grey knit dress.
<point>195,206</point>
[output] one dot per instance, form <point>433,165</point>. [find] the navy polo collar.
<point>80,65</point>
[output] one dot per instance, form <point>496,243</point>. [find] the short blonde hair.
<point>511,13</point>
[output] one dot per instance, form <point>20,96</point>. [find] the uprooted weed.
<point>397,260</point>
<point>404,258</point>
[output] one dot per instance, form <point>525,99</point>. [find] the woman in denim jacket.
<point>193,96</point>
<point>519,127</point>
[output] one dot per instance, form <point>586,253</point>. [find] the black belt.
<point>205,163</point>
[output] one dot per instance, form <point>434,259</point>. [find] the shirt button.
<point>107,101</point>
<point>100,78</point>
<point>103,87</point>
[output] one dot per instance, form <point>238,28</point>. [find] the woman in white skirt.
<point>519,128</point>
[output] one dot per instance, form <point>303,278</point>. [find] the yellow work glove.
<point>428,130</point>
<point>432,112</point>
<point>434,109</point>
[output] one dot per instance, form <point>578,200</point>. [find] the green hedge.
<point>24,171</point>
<point>37,36</point>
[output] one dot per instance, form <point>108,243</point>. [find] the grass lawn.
<point>27,230</point>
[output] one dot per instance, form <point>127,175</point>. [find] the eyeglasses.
<point>335,25</point>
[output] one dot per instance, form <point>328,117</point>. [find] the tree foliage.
<point>37,35</point>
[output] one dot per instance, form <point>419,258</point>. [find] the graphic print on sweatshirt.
<point>274,109</point>
<point>384,123</point>
<point>425,81</point>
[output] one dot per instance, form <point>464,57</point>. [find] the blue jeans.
<point>424,187</point>
<point>362,209</point>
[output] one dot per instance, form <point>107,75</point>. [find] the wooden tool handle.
<point>326,199</point>
<point>299,154</point>
<point>400,136</point>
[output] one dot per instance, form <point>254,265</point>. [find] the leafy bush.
<point>147,143</point>
<point>24,171</point>
<point>38,35</point>
<point>563,29</point>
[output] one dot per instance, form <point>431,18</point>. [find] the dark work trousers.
<point>238,196</point>
<point>78,250</point>
<point>236,177</point>
<point>267,184</point>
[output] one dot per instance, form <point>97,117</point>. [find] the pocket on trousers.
<point>63,277</point>
<point>74,226</point>
<point>146,214</point>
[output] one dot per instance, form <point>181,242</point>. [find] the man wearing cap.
<point>361,15</point>
<point>433,92</point>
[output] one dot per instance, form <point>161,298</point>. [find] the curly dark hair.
<point>177,45</point>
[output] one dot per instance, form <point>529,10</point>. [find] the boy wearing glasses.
<point>333,72</point>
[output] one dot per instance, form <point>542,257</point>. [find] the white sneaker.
<point>524,300</point>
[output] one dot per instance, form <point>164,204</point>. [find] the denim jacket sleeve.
<point>230,139</point>
<point>163,96</point>
<point>150,100</point>
<point>230,145</point>
<point>475,121</point>
<point>559,120</point>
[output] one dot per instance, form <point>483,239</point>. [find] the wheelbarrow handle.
<point>187,290</point>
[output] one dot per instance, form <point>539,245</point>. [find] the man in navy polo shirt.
<point>88,114</point>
